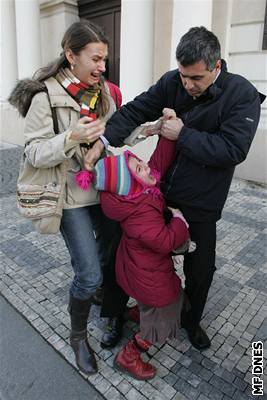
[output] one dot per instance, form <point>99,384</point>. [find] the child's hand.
<point>152,129</point>
<point>187,247</point>
<point>176,213</point>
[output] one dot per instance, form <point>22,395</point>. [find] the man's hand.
<point>171,128</point>
<point>93,155</point>
<point>168,113</point>
<point>154,128</point>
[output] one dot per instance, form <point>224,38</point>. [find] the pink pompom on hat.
<point>112,174</point>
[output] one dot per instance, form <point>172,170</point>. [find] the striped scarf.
<point>87,96</point>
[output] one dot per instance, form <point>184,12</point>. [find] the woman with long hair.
<point>65,107</point>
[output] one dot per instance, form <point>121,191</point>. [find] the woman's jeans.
<point>87,233</point>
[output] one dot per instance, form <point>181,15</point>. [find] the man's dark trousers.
<point>199,267</point>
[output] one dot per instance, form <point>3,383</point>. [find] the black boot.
<point>196,335</point>
<point>198,338</point>
<point>113,332</point>
<point>85,358</point>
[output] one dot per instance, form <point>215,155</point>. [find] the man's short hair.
<point>198,44</point>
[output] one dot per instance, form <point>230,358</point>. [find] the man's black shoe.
<point>113,333</point>
<point>198,338</point>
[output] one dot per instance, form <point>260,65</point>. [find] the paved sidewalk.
<point>40,373</point>
<point>36,273</point>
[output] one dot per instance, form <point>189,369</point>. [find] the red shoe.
<point>133,314</point>
<point>129,361</point>
<point>141,344</point>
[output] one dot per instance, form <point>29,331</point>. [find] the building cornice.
<point>52,7</point>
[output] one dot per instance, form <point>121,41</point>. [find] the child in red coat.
<point>130,193</point>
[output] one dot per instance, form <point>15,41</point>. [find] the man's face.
<point>196,78</point>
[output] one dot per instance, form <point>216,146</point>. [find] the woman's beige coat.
<point>44,149</point>
<point>46,181</point>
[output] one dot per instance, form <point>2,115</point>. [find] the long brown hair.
<point>77,36</point>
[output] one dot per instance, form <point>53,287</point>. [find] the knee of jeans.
<point>99,281</point>
<point>95,280</point>
<point>90,280</point>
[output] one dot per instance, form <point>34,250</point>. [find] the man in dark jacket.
<point>217,117</point>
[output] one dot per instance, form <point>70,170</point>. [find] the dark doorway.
<point>106,13</point>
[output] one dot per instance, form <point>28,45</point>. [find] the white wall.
<point>136,55</point>
<point>247,58</point>
<point>8,62</point>
<point>28,37</point>
<point>186,14</point>
<point>11,125</point>
<point>137,45</point>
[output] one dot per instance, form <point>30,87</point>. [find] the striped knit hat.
<point>113,175</point>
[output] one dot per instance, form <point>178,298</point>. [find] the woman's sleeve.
<point>43,148</point>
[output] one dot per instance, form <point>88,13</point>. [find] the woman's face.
<point>141,170</point>
<point>90,63</point>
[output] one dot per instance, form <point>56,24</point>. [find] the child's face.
<point>141,170</point>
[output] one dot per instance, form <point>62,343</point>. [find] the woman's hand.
<point>93,155</point>
<point>87,130</point>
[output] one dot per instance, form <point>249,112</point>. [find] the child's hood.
<point>117,207</point>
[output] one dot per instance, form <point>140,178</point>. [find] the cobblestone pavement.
<point>36,273</point>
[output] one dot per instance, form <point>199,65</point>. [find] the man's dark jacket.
<point>219,127</point>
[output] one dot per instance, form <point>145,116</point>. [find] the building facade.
<point>144,35</point>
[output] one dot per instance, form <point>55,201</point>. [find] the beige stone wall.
<point>56,17</point>
<point>162,37</point>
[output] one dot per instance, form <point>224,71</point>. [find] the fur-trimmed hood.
<point>22,94</point>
